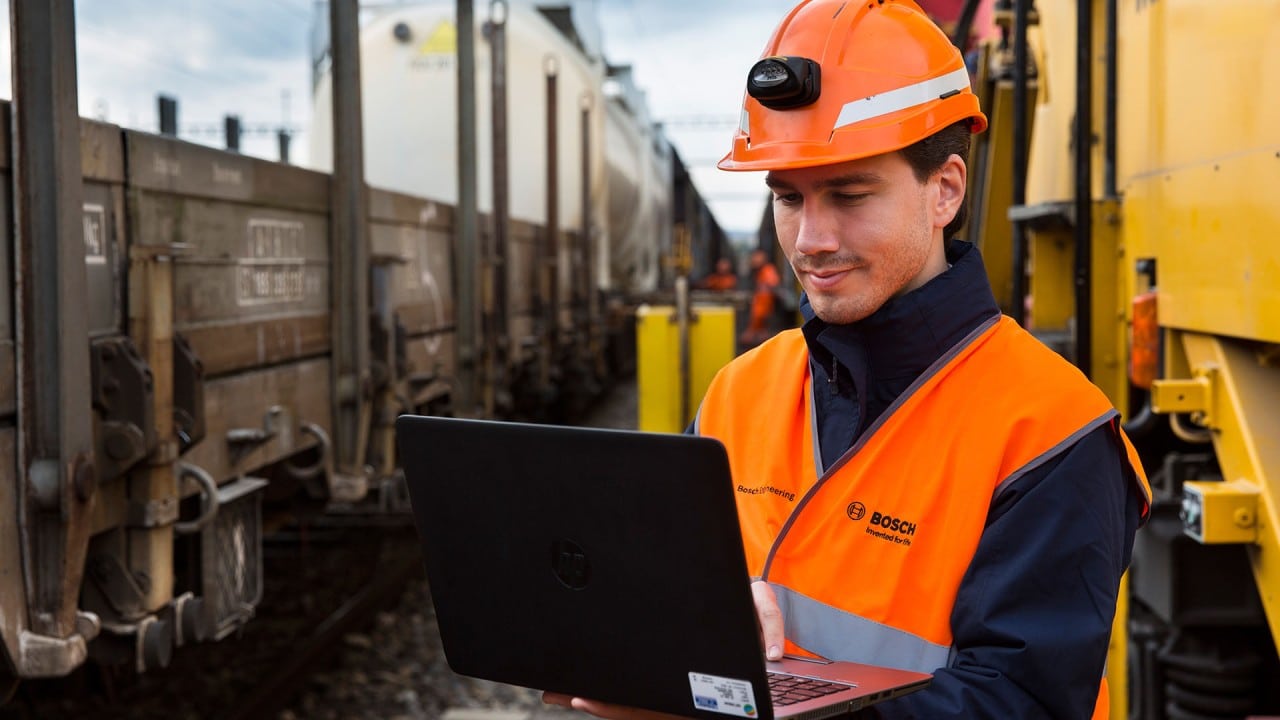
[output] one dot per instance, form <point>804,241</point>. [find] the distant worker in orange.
<point>761,324</point>
<point>722,278</point>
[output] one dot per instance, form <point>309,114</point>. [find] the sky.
<point>251,58</point>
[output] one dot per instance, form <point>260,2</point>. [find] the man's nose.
<point>818,232</point>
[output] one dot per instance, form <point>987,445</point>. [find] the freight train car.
<point>201,338</point>
<point>587,208</point>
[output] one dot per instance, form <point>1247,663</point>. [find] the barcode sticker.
<point>728,696</point>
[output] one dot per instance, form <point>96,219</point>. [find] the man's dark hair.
<point>927,155</point>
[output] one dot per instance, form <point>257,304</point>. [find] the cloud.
<point>204,34</point>
<point>692,59</point>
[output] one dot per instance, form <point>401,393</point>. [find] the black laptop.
<point>605,564</point>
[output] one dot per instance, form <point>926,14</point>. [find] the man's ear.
<point>951,180</point>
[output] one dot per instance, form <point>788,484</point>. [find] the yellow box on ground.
<point>711,346</point>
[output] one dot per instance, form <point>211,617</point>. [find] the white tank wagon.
<point>640,162</point>
<point>408,68</point>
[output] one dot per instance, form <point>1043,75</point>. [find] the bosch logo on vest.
<point>897,525</point>
<point>900,531</point>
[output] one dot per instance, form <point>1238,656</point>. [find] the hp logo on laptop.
<point>570,565</point>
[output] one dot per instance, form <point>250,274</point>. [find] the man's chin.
<point>838,311</point>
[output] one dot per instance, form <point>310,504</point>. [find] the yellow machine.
<point>1150,256</point>
<point>680,354</point>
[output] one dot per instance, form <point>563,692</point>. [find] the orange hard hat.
<point>844,80</point>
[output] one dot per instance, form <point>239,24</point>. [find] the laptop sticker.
<point>728,696</point>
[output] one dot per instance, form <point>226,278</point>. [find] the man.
<point>965,502</point>
<point>722,278</point>
<point>761,322</point>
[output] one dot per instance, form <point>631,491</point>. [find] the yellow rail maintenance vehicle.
<point>1149,256</point>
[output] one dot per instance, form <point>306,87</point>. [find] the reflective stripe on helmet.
<point>865,52</point>
<point>903,98</point>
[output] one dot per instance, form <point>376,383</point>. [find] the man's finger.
<point>618,712</point>
<point>551,698</point>
<point>770,617</point>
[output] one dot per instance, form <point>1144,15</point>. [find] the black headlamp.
<point>783,82</point>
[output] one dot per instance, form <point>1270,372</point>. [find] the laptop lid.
<point>598,563</point>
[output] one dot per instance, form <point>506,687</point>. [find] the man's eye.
<point>787,198</point>
<point>851,198</point>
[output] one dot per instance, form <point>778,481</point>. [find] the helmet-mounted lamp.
<point>784,82</point>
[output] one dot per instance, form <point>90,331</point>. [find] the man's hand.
<point>770,617</point>
<point>767,612</point>
<point>604,710</point>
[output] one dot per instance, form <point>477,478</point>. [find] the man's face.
<point>861,232</point>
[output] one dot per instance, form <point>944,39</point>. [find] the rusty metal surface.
<point>238,262</point>
<point>349,293</point>
<point>8,379</point>
<point>6,113</point>
<point>251,279</point>
<point>6,242</point>
<point>167,165</point>
<point>300,390</point>
<point>431,355</point>
<point>387,206</point>
<point>150,549</point>
<point>56,440</point>
<point>421,276</point>
<point>227,348</point>
<point>521,271</point>
<point>101,152</point>
<point>251,285</point>
<point>103,263</point>
<point>467,244</point>
<point>13,588</point>
<point>110,507</point>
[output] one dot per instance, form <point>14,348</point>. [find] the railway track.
<point>321,582</point>
<point>277,690</point>
<point>345,629</point>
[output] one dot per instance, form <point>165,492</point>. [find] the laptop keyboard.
<point>791,689</point>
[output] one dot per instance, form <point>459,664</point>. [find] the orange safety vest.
<point>867,558</point>
<point>762,301</point>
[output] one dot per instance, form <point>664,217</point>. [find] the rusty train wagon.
<point>208,284</point>
<point>189,335</point>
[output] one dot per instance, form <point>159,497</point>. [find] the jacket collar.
<point>908,333</point>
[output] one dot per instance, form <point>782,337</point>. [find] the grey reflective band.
<point>1053,452</point>
<point>818,468</point>
<point>826,474</point>
<point>903,98</point>
<point>840,635</point>
<point>744,123</point>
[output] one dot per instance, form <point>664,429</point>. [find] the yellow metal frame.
<point>991,229</point>
<point>1220,512</point>
<point>1232,387</point>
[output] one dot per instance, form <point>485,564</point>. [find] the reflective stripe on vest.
<point>873,550</point>
<point>833,633</point>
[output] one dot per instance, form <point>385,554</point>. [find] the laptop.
<point>605,564</point>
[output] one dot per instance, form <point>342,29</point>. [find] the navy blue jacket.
<point>1033,614</point>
